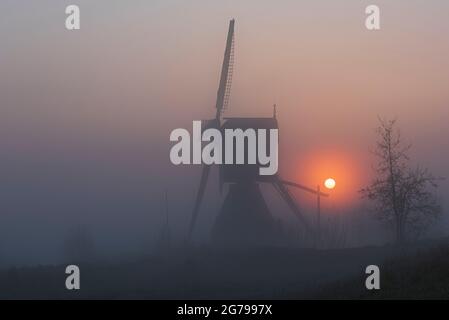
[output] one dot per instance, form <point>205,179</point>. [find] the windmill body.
<point>244,217</point>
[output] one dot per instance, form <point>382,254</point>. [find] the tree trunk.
<point>399,230</point>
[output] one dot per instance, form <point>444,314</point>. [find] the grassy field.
<point>418,271</point>
<point>419,275</point>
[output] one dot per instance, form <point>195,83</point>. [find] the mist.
<point>86,116</point>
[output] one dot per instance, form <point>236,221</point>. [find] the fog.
<point>85,116</point>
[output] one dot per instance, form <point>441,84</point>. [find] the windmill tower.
<point>244,218</point>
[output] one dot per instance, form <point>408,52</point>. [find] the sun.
<point>329,183</point>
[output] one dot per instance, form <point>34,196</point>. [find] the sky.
<point>86,115</point>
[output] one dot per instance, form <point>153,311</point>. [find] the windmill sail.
<point>224,89</point>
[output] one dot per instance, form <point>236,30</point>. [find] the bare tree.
<point>404,197</point>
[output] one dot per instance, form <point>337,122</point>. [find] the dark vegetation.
<point>421,274</point>
<point>418,271</point>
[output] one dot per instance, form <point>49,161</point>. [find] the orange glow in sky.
<point>317,167</point>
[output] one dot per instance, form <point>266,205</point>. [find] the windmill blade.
<point>300,186</point>
<point>199,198</point>
<point>288,198</point>
<point>224,87</point>
<point>222,100</point>
<point>212,123</point>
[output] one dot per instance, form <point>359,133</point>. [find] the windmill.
<point>244,217</point>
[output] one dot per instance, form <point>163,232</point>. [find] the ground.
<point>414,271</point>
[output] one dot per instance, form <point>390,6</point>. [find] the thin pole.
<point>166,208</point>
<point>318,217</point>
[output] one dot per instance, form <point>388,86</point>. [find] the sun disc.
<point>329,183</point>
